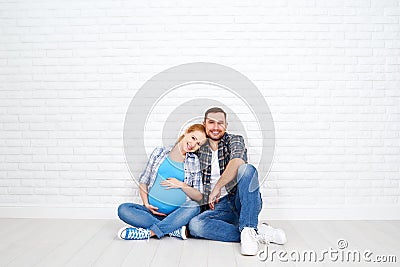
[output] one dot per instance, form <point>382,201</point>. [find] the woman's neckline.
<point>169,157</point>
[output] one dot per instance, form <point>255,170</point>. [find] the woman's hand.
<point>153,210</point>
<point>171,183</point>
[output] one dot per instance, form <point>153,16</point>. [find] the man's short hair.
<point>214,110</point>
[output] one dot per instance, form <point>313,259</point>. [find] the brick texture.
<point>329,71</point>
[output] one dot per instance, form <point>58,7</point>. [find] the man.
<point>231,195</point>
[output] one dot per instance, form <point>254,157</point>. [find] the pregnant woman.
<point>170,187</point>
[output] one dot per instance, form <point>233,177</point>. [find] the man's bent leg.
<point>248,198</point>
<point>220,224</point>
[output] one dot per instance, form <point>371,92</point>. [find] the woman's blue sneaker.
<point>180,233</point>
<point>133,233</point>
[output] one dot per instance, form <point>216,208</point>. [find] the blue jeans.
<point>233,212</point>
<point>139,216</point>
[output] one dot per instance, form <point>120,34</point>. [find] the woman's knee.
<point>126,209</point>
<point>192,207</point>
<point>122,209</point>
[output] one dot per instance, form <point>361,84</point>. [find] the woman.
<point>170,188</point>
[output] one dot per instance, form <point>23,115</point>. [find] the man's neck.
<point>214,144</point>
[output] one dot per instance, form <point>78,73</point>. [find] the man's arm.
<point>228,175</point>
<point>238,156</point>
<point>230,172</point>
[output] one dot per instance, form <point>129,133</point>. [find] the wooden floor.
<point>55,242</point>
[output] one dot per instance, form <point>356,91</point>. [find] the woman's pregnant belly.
<point>166,200</point>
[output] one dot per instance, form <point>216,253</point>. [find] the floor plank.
<point>275,249</point>
<point>116,253</point>
<point>142,252</point>
<point>169,252</point>
<point>78,236</point>
<point>246,260</point>
<point>330,241</point>
<point>8,226</point>
<point>94,247</point>
<point>220,254</point>
<point>194,253</point>
<point>55,242</point>
<point>30,240</point>
<point>359,237</point>
<point>298,234</point>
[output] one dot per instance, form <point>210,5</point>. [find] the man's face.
<point>215,125</point>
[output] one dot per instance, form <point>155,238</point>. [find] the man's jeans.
<point>233,212</point>
<point>139,216</point>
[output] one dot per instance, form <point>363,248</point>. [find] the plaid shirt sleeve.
<point>237,148</point>
<point>146,174</point>
<point>197,182</point>
<point>193,173</point>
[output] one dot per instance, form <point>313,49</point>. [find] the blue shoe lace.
<point>133,233</point>
<point>176,233</point>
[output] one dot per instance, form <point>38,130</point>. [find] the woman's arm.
<point>144,195</point>
<point>191,192</point>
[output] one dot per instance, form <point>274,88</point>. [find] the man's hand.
<point>153,210</point>
<point>213,198</point>
<point>172,183</point>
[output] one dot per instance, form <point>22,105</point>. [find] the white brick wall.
<point>329,70</point>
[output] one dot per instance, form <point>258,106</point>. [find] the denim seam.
<point>250,226</point>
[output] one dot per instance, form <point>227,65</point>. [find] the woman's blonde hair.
<point>192,128</point>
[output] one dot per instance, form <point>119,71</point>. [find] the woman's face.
<point>192,141</point>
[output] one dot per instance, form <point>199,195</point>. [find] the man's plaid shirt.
<point>230,147</point>
<point>191,166</point>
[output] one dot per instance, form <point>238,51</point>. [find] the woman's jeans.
<point>233,212</point>
<point>139,216</point>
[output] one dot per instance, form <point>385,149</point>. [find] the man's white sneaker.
<point>268,234</point>
<point>248,241</point>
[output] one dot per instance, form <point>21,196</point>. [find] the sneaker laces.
<point>176,233</point>
<point>138,233</point>
<point>263,239</point>
<point>256,236</point>
<point>273,235</point>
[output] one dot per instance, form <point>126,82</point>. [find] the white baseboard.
<point>329,213</point>
<point>337,213</point>
<point>59,212</point>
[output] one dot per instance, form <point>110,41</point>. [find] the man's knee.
<point>247,171</point>
<point>196,226</point>
<point>247,174</point>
